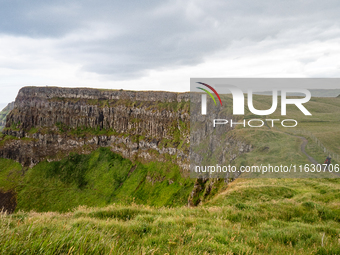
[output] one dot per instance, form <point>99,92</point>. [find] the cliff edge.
<point>50,122</point>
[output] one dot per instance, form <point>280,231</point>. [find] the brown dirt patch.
<point>8,201</point>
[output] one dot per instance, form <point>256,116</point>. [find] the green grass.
<point>253,216</point>
<point>10,174</point>
<point>271,146</point>
<point>323,124</point>
<point>99,179</point>
<point>6,138</point>
<point>280,145</point>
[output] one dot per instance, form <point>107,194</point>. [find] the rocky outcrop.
<point>49,122</point>
<point>132,112</point>
<point>3,114</point>
<point>210,145</point>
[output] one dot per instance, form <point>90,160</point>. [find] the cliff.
<point>50,122</point>
<point>3,114</point>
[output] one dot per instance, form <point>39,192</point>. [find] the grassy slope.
<point>97,179</point>
<point>323,124</point>
<point>278,145</point>
<point>253,216</point>
<point>10,174</point>
<point>275,145</point>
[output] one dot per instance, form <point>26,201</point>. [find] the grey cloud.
<point>143,35</point>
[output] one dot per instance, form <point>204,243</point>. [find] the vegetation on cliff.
<point>96,179</point>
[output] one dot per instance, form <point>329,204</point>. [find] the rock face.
<point>211,145</point>
<point>4,113</point>
<point>50,122</point>
<point>136,112</point>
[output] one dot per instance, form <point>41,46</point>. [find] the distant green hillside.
<point>314,93</point>
<point>4,113</point>
<point>325,92</point>
<point>281,145</point>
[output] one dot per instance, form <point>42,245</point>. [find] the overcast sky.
<point>159,45</point>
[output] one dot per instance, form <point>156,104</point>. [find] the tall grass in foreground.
<point>253,216</point>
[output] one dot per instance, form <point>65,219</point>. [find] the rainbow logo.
<point>208,92</point>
